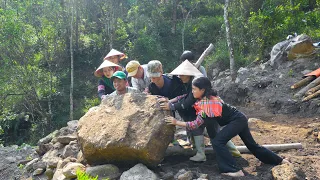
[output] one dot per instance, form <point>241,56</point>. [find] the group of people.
<point>188,91</point>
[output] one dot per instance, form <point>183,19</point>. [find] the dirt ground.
<point>266,129</point>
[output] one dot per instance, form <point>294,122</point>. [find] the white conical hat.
<point>114,52</point>
<point>107,63</point>
<point>186,68</point>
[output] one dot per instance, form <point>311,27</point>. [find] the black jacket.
<point>185,105</point>
<point>176,88</point>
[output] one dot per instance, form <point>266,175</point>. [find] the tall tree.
<point>229,41</point>
<point>71,59</point>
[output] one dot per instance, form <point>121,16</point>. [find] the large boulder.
<point>125,130</point>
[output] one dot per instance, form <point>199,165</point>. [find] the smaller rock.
<point>71,150</point>
<point>48,138</point>
<point>70,170</point>
<point>65,161</point>
<point>43,148</point>
<point>65,131</point>
<point>66,139</point>
<point>49,173</point>
<point>38,171</point>
<point>51,158</point>
<point>104,171</point>
<point>181,171</point>
<point>139,171</point>
<point>58,175</point>
<point>80,158</point>
<point>73,125</point>
<point>284,171</point>
<point>39,165</point>
<point>58,145</point>
<point>185,176</point>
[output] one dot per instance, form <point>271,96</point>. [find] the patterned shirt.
<point>206,108</point>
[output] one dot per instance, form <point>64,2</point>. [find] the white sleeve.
<point>135,84</point>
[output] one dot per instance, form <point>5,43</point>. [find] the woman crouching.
<point>210,109</point>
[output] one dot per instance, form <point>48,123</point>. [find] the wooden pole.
<point>314,95</point>
<point>313,90</point>
<point>204,54</point>
<point>309,86</point>
<point>178,150</point>
<point>303,82</point>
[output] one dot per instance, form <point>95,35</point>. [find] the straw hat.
<point>186,68</point>
<point>99,73</point>
<point>114,52</point>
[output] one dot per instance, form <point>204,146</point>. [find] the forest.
<point>49,49</point>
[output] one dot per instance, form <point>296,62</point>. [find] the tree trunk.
<point>228,35</point>
<point>71,61</point>
<point>77,27</point>
<point>174,16</point>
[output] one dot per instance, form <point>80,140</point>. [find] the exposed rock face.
<point>125,130</point>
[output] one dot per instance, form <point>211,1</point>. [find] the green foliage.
<point>81,175</point>
<point>21,166</point>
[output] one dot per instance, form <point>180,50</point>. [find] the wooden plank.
<point>303,82</point>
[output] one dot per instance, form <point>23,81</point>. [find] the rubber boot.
<point>233,150</point>
<point>200,156</point>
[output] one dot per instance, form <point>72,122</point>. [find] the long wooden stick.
<point>204,54</point>
<point>177,150</point>
<point>313,90</point>
<point>314,95</point>
<point>309,86</point>
<point>303,82</point>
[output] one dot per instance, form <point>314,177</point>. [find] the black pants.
<point>239,126</point>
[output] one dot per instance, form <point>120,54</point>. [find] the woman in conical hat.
<point>105,72</point>
<point>115,56</point>
<point>184,105</point>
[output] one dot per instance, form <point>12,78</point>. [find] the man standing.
<point>119,81</point>
<point>138,72</point>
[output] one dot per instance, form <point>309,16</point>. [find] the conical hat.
<point>99,73</point>
<point>186,68</point>
<point>114,52</point>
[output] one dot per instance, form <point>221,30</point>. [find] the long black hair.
<point>204,83</point>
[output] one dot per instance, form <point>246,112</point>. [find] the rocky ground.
<point>264,94</point>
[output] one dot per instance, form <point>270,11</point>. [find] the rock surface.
<point>284,171</point>
<point>125,130</point>
<point>139,172</point>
